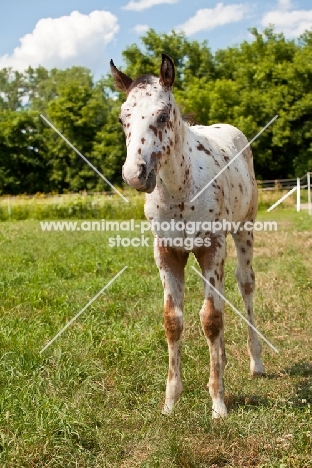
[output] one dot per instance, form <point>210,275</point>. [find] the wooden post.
<point>9,208</point>
<point>309,193</point>
<point>298,194</point>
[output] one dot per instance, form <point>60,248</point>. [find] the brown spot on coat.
<point>211,320</point>
<point>201,147</point>
<point>154,129</point>
<point>173,323</point>
<point>248,288</point>
<point>155,154</point>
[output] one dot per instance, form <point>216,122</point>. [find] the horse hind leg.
<point>246,282</point>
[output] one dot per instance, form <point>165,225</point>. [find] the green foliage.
<point>190,57</point>
<point>33,158</point>
<point>245,86</point>
<point>253,82</point>
<point>22,167</point>
<point>109,145</point>
<point>77,112</point>
<point>12,89</point>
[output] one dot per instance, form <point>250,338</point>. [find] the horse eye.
<point>120,121</point>
<point>163,118</point>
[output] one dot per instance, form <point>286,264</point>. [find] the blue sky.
<point>58,33</point>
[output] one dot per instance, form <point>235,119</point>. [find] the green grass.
<point>78,206</point>
<point>93,398</point>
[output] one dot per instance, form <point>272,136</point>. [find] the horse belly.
<point>237,181</point>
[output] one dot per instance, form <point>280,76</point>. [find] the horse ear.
<point>167,72</point>
<point>122,81</point>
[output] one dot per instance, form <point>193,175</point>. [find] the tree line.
<point>244,85</point>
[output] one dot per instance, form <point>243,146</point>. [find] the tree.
<point>79,110</point>
<point>190,57</point>
<point>12,89</point>
<point>23,168</point>
<point>245,86</point>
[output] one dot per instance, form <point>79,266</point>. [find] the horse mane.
<point>190,119</point>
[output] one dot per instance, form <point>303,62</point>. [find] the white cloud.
<point>140,28</point>
<point>292,23</point>
<point>62,42</point>
<point>144,4</point>
<point>210,18</point>
<point>284,4</point>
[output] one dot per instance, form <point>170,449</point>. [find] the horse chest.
<point>181,220</point>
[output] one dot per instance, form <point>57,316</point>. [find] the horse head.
<point>147,117</point>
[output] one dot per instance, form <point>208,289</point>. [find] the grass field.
<point>93,398</point>
<point>107,206</point>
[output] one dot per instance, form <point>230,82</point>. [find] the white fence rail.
<point>289,184</point>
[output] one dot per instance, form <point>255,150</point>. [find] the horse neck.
<point>175,173</point>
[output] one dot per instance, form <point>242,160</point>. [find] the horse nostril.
<point>142,171</point>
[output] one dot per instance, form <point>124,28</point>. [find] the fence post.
<point>9,208</point>
<point>309,193</point>
<point>298,194</point>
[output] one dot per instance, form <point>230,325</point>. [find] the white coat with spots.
<point>172,161</point>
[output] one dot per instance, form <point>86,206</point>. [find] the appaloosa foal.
<point>172,161</point>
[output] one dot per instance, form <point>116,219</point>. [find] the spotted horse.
<point>172,162</point>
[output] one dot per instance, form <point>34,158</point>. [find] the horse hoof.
<point>167,408</point>
<point>257,370</point>
<point>219,411</point>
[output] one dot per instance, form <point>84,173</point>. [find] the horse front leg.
<point>211,261</point>
<point>171,263</point>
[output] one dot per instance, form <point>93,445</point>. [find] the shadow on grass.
<point>301,368</point>
<point>302,392</point>
<point>233,402</point>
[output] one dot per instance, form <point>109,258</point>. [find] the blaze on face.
<point>147,120</point>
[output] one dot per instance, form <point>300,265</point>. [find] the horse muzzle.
<point>141,180</point>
